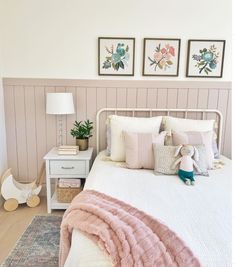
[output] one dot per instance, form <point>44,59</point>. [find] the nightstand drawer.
<point>67,167</point>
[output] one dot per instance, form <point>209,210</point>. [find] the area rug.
<point>39,244</point>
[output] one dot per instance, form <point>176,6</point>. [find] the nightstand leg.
<point>48,182</point>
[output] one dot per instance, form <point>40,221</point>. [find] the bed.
<point>200,215</point>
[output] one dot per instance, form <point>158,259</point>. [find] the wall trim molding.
<point>118,83</point>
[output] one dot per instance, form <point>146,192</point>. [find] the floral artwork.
<point>205,58</point>
<point>116,56</point>
<point>161,57</point>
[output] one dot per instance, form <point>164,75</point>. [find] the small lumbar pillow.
<point>196,138</point>
<point>119,124</point>
<point>139,149</point>
<point>186,163</point>
<point>164,158</point>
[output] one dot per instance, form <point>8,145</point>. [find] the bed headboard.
<point>202,114</point>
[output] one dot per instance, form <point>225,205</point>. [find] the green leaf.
<point>169,62</point>
<point>208,69</point>
<point>121,65</point>
<point>160,66</point>
<point>153,61</point>
<point>127,48</point>
<point>201,63</point>
<point>117,66</point>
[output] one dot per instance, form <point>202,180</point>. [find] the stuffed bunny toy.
<point>187,164</point>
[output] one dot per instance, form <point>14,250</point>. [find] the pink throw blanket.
<point>129,236</point>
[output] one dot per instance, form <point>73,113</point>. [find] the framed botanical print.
<point>161,57</point>
<point>205,58</point>
<point>116,56</point>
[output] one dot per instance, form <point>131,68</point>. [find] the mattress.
<point>200,214</point>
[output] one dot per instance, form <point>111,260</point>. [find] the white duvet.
<point>200,214</point>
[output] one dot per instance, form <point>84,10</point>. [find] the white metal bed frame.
<point>203,112</point>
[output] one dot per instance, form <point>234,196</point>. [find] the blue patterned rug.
<point>38,246</point>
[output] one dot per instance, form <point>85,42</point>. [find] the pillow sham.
<point>196,138</point>
<point>118,124</point>
<point>185,125</point>
<point>139,149</point>
<point>164,159</point>
<point>108,139</point>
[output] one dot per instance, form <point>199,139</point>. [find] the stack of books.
<point>68,150</point>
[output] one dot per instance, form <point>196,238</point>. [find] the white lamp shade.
<point>59,103</point>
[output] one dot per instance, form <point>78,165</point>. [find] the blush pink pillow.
<point>139,149</point>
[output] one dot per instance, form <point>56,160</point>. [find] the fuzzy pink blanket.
<point>129,236</point>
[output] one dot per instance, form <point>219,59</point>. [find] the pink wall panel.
<point>31,132</point>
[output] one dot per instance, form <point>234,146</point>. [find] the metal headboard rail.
<point>168,112</point>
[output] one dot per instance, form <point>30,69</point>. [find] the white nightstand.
<point>64,166</point>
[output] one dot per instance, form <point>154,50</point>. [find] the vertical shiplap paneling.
<point>192,102</point>
<point>228,127</point>
<point>151,98</point>
<point>101,103</point>
<point>40,121</point>
<point>31,132</point>
<point>81,103</point>
<point>162,94</point>
<point>51,127</point>
<point>131,97</point>
<point>91,112</point>
<point>70,119</point>
<point>222,106</point>
<point>111,97</point>
<point>11,136</point>
<point>121,99</point>
<point>172,99</point>
<point>22,152</point>
<point>212,102</point>
<point>182,101</point>
<point>202,100</point>
<point>141,101</point>
<point>32,157</point>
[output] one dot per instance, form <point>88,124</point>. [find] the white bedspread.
<point>200,214</point>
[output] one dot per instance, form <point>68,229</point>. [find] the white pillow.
<point>119,124</point>
<point>185,125</point>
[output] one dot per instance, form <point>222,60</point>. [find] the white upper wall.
<point>58,38</point>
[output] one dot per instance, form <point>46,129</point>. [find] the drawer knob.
<point>67,168</point>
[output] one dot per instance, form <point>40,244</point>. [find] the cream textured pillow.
<point>164,159</point>
<point>196,138</point>
<point>119,124</point>
<point>139,149</point>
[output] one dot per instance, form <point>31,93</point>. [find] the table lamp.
<point>59,104</point>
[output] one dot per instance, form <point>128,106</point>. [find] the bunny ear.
<point>177,151</point>
<point>196,154</point>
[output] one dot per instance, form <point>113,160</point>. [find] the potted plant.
<point>82,133</point>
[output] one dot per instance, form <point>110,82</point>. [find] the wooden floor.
<point>13,224</point>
